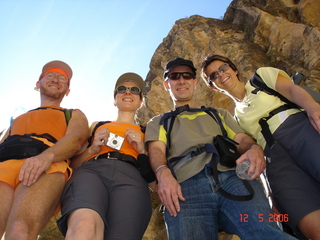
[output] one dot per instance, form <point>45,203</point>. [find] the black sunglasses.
<point>214,75</point>
<point>123,89</point>
<point>177,75</point>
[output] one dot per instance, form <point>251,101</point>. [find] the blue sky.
<point>99,39</point>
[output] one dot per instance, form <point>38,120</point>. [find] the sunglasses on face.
<point>177,75</point>
<point>214,75</point>
<point>123,89</point>
<point>51,76</point>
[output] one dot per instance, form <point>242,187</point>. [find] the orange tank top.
<point>120,129</point>
<point>42,120</point>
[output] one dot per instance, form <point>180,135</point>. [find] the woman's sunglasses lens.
<point>224,67</point>
<point>135,90</point>
<point>121,89</point>
<point>213,76</point>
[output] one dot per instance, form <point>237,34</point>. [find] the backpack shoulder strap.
<point>257,82</point>
<point>167,120</point>
<point>259,85</point>
<point>212,112</point>
<point>68,114</point>
<point>142,128</point>
<point>174,113</point>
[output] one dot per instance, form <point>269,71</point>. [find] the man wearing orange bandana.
<point>34,157</point>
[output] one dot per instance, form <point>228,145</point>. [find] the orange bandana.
<point>57,70</point>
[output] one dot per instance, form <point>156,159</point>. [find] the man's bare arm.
<point>252,152</point>
<point>76,135</point>
<point>169,190</point>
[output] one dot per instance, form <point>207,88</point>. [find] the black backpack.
<point>167,120</point>
<point>25,146</point>
<point>257,82</point>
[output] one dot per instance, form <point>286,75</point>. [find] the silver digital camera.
<point>115,141</point>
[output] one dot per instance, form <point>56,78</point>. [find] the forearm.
<point>76,135</point>
<point>65,148</point>
<point>77,160</point>
<point>169,190</point>
<point>303,98</point>
<point>245,142</point>
<point>252,152</point>
<point>295,94</point>
<point>157,157</point>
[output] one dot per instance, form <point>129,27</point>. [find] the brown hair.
<point>211,58</point>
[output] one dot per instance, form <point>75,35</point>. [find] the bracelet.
<point>164,165</point>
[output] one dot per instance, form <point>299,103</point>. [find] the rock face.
<point>254,33</point>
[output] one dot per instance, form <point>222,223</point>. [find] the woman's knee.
<point>86,223</point>
<point>309,225</point>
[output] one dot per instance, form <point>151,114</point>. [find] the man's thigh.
<point>198,216</point>
<point>38,202</point>
<point>6,193</point>
<point>251,219</point>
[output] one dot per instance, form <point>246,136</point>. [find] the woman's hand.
<point>135,140</point>
<point>100,139</point>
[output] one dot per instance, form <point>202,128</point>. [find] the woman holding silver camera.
<point>107,196</point>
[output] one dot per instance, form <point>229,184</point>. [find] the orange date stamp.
<point>272,217</point>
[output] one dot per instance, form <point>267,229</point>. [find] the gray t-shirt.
<point>190,131</point>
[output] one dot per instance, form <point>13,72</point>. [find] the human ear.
<point>37,87</point>
<point>166,85</point>
<point>195,81</point>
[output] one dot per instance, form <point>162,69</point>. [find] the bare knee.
<point>21,230</point>
<point>81,230</point>
<point>6,192</point>
<point>85,224</point>
<point>309,225</point>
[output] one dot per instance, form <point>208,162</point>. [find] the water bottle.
<point>242,170</point>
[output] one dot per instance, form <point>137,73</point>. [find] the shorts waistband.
<point>119,156</point>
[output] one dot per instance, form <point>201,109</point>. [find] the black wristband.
<point>145,168</point>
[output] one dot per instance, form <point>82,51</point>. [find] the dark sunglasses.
<point>214,75</point>
<point>123,89</point>
<point>177,75</point>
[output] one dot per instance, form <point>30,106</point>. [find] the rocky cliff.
<point>253,33</point>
